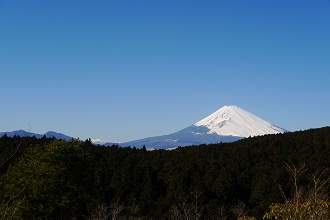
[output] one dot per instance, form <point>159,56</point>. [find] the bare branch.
<point>12,154</point>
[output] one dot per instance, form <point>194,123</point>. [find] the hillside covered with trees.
<point>262,177</point>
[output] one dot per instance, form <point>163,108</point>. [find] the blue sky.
<point>124,70</point>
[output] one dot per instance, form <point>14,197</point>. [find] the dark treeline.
<point>54,179</point>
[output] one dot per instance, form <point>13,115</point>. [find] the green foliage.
<point>12,148</point>
<point>303,206</point>
<point>247,218</point>
<point>308,210</point>
<point>51,181</point>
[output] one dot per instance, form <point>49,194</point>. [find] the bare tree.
<point>175,213</point>
<point>11,154</point>
<point>222,214</point>
<point>188,208</point>
<point>303,206</point>
<point>184,210</point>
<point>296,172</point>
<point>239,209</point>
<point>319,189</point>
<point>105,211</point>
<point>9,208</point>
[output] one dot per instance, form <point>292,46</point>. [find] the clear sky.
<point>122,70</point>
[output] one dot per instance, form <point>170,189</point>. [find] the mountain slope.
<point>228,124</point>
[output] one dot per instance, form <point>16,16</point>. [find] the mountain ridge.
<point>23,133</point>
<point>227,124</point>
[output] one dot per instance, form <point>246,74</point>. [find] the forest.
<point>281,176</point>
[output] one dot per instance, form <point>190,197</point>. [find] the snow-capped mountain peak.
<point>234,121</point>
<point>228,124</point>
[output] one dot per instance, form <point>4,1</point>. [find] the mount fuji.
<point>228,124</point>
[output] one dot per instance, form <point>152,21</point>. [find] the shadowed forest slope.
<point>48,178</point>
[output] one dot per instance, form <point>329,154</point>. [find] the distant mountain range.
<point>228,124</point>
<point>23,133</point>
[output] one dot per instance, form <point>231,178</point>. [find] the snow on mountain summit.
<point>234,121</point>
<point>228,124</point>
